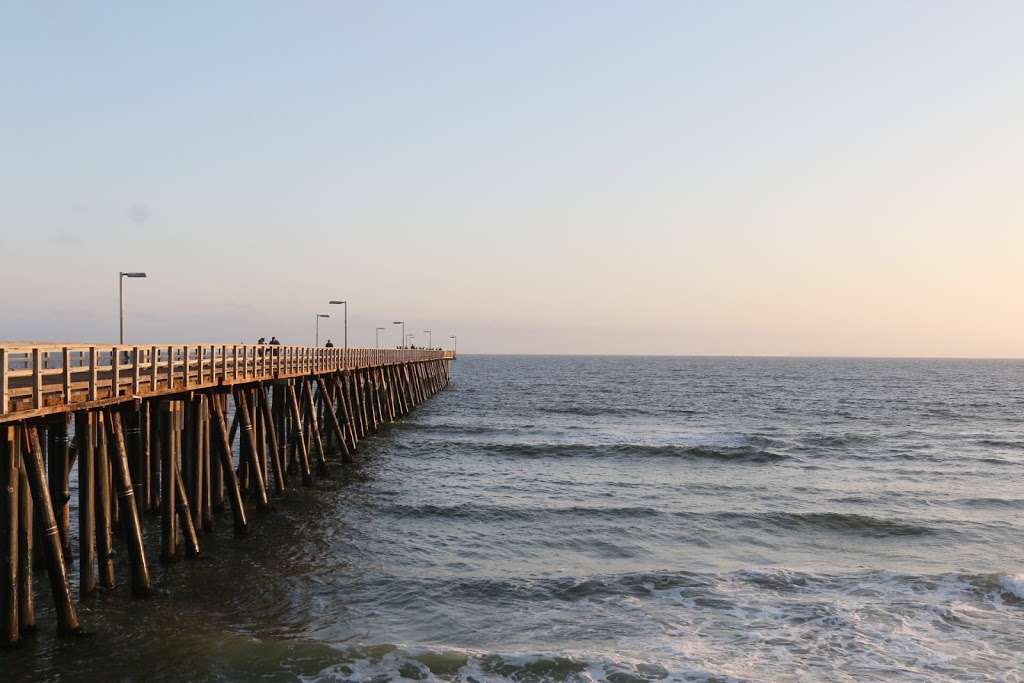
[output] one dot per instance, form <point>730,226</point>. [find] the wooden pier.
<point>152,431</point>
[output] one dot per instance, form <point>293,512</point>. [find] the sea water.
<point>617,519</point>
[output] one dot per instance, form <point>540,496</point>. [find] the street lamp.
<point>377,335</point>
<point>318,316</point>
<point>430,339</point>
<point>455,345</point>
<point>120,283</point>
<point>345,304</point>
<point>402,323</point>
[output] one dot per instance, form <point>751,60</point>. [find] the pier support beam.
<point>10,628</point>
<point>85,438</point>
<point>227,466</point>
<point>168,482</point>
<point>250,450</point>
<point>307,474</point>
<point>132,525</point>
<point>67,618</point>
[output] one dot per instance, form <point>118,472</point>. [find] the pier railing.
<point>41,379</point>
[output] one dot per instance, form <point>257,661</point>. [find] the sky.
<point>726,178</point>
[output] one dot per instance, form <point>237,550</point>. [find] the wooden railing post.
<point>37,380</point>
<point>5,394</point>
<point>66,367</point>
<point>115,371</point>
<point>135,371</point>
<point>184,363</point>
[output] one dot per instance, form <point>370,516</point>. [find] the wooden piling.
<point>399,390</point>
<point>67,618</point>
<point>358,404</point>
<point>57,480</point>
<point>216,471</point>
<point>188,529</point>
<point>168,483</point>
<point>85,437</point>
<point>250,450</point>
<point>307,474</point>
<point>332,416</point>
<point>104,540</point>
<point>26,539</point>
<point>10,628</point>
<point>129,511</point>
<point>207,482</point>
<point>343,404</point>
<point>189,463</point>
<point>373,399</point>
<point>275,452</point>
<point>156,445</point>
<point>314,426</point>
<point>389,399</point>
<point>227,467</point>
<point>280,413</point>
<point>259,436</point>
<point>142,475</point>
<point>364,402</point>
<point>378,395</point>
<point>198,473</point>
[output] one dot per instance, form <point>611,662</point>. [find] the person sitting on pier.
<point>261,340</point>
<point>274,342</point>
<point>329,344</point>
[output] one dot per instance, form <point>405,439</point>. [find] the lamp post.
<point>318,316</point>
<point>430,338</point>
<point>345,304</point>
<point>377,336</point>
<point>120,298</point>
<point>402,323</point>
<point>455,345</point>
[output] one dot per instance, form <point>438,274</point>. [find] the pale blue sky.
<point>641,177</point>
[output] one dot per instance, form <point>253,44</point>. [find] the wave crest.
<point>742,453</point>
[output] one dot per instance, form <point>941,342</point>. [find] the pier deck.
<point>147,427</point>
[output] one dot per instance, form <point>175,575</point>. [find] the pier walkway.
<point>151,431</point>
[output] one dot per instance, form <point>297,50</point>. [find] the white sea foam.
<point>755,625</point>
<point>393,663</point>
<point>1013,585</point>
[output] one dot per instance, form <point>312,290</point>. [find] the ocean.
<point>557,518</point>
